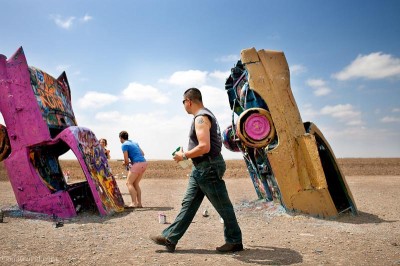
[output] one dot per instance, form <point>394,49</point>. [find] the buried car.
<point>289,162</point>
<point>40,127</point>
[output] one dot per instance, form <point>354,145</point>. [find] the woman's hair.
<point>123,135</point>
<point>105,141</point>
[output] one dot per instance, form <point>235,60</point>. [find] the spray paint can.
<point>162,218</point>
<point>128,166</point>
<point>185,163</point>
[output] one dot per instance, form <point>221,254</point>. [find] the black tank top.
<point>215,134</point>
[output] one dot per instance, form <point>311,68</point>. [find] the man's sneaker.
<point>161,240</point>
<point>230,247</point>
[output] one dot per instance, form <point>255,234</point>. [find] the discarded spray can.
<point>58,224</point>
<point>162,218</point>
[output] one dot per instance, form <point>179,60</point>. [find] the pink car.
<point>40,127</point>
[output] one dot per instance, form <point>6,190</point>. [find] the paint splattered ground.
<point>271,237</point>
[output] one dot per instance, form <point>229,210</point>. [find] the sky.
<point>128,63</point>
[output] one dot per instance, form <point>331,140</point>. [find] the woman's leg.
<point>131,188</point>
<point>139,169</point>
<point>138,202</point>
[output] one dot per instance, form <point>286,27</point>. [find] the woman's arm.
<point>126,158</point>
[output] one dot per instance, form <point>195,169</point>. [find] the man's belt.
<point>207,158</point>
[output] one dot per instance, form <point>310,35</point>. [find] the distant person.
<point>205,179</point>
<point>136,165</point>
<point>103,144</point>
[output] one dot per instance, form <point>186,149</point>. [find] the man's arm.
<point>202,126</point>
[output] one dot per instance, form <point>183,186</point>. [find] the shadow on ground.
<point>253,254</point>
<point>363,218</point>
<point>84,217</point>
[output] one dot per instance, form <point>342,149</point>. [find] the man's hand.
<point>178,156</point>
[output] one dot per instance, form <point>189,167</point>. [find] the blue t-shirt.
<point>134,153</point>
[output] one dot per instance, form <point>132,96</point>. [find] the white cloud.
<point>355,122</point>
<point>109,116</point>
<point>148,129</point>
<point>390,119</point>
<point>362,141</point>
<point>86,18</point>
<point>64,23</point>
<point>228,58</point>
<point>297,69</point>
<point>214,97</point>
<point>340,111</point>
<point>373,66</point>
<point>321,91</point>
<point>67,23</point>
<point>187,79</point>
<point>396,110</point>
<point>144,119</point>
<point>95,100</point>
<point>315,82</point>
<point>319,87</point>
<point>308,113</point>
<point>220,75</point>
<point>196,78</point>
<point>343,112</point>
<point>140,92</point>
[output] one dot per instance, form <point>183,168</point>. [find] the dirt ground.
<point>270,236</point>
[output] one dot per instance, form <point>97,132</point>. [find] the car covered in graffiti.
<point>40,126</point>
<point>289,162</point>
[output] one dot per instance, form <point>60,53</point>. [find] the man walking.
<point>205,179</point>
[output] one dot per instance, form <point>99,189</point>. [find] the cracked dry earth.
<point>270,236</point>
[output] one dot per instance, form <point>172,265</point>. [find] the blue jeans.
<point>206,180</point>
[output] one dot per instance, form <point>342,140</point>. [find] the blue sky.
<point>129,62</point>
